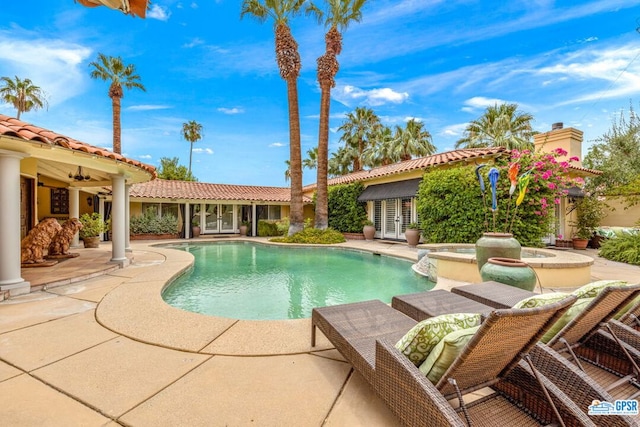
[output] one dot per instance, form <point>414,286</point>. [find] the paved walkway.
<point>104,350</point>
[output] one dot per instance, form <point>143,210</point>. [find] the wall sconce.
<point>90,200</point>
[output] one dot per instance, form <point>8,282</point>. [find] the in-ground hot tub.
<point>457,262</point>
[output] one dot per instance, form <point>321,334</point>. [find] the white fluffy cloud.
<point>158,12</point>
<point>203,150</point>
<point>234,110</point>
<point>349,95</point>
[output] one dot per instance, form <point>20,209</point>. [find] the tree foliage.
<point>22,94</point>
<point>191,132</point>
<point>170,169</point>
<point>500,126</point>
<point>346,214</point>
<point>617,155</point>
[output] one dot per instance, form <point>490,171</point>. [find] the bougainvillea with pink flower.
<point>541,179</point>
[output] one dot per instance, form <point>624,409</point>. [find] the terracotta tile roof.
<point>169,189</point>
<point>447,157</point>
<point>10,126</point>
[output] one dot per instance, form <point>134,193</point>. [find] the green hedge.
<point>313,236</point>
<point>149,223</point>
<point>624,248</point>
<point>451,210</point>
<point>346,214</point>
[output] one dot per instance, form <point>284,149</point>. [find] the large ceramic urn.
<point>496,245</point>
<point>509,271</point>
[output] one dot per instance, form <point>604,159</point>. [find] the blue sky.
<point>442,62</point>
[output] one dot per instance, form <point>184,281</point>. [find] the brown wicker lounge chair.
<point>610,349</point>
<point>365,333</point>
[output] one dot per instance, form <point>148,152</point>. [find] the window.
<point>59,201</point>
<point>270,212</point>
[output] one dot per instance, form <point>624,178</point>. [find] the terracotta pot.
<point>243,230</point>
<point>91,242</point>
<point>509,271</point>
<point>369,232</point>
<point>413,236</point>
<point>195,230</point>
<point>580,243</point>
<point>496,245</point>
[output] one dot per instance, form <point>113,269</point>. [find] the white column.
<point>187,220</point>
<point>10,279</point>
<point>254,221</point>
<point>101,213</point>
<point>74,211</point>
<point>127,218</point>
<point>118,226</point>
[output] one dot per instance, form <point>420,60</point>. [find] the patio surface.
<point>96,346</point>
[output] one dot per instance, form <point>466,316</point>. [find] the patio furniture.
<point>365,333</point>
<point>422,305</point>
<point>605,344</point>
<point>493,294</point>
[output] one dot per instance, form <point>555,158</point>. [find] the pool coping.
<point>155,322</point>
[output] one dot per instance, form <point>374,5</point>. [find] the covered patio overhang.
<point>36,154</point>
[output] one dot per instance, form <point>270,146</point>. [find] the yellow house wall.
<point>135,208</point>
<point>618,216</point>
<point>569,139</point>
<point>43,200</point>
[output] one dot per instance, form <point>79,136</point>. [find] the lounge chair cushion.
<point>443,354</point>
<point>423,337</point>
<point>576,308</point>
<point>592,289</point>
<point>540,300</point>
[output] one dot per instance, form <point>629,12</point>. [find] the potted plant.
<point>589,213</point>
<point>244,228</point>
<point>92,226</point>
<point>368,229</point>
<point>195,227</point>
<point>412,234</point>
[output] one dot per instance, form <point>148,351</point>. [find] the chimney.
<point>569,139</point>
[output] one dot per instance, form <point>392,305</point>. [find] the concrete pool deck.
<point>101,348</point>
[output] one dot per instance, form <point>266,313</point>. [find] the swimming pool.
<point>250,281</point>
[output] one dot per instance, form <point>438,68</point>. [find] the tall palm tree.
<point>359,131</point>
<point>311,162</point>
<point>192,132</point>
<point>500,126</point>
<point>288,59</point>
<point>413,140</point>
<point>22,94</point>
<point>340,13</point>
<point>382,151</point>
<point>111,68</point>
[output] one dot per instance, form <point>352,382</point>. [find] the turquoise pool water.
<point>250,281</point>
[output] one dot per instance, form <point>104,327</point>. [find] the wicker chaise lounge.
<point>365,334</point>
<point>609,348</point>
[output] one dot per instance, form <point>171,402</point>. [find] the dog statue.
<point>34,245</point>
<point>61,242</point>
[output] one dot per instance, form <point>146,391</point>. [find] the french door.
<point>396,217</point>
<point>219,218</point>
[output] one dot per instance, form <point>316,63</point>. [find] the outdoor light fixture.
<point>89,200</point>
<point>79,176</point>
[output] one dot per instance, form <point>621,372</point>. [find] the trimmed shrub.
<point>149,223</point>
<point>313,236</point>
<point>346,214</point>
<point>451,209</point>
<point>267,228</point>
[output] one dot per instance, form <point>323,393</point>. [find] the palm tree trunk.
<point>296,218</point>
<point>117,128</point>
<point>190,156</point>
<point>322,197</point>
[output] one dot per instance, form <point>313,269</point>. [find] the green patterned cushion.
<point>443,354</point>
<point>592,289</point>
<point>576,308</point>
<point>540,300</point>
<point>423,337</point>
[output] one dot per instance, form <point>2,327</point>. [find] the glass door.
<point>219,219</point>
<point>397,215</point>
